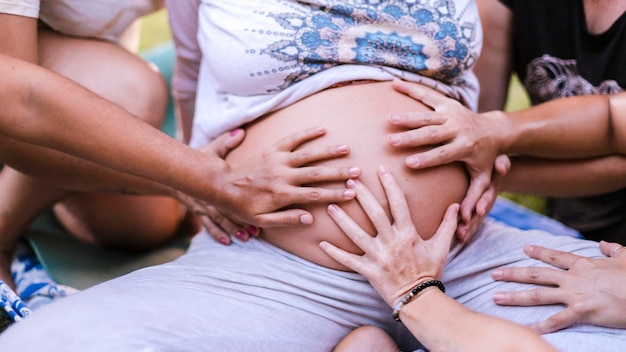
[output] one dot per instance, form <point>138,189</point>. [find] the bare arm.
<point>37,111</point>
<point>572,130</point>
<point>493,68</point>
<point>576,127</point>
<point>557,178</point>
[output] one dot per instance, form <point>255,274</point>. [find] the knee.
<point>130,222</point>
<point>148,93</point>
<point>366,338</point>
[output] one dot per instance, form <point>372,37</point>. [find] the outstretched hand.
<point>397,258</point>
<point>593,290</point>
<point>456,134</point>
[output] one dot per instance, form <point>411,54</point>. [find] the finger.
<point>371,207</point>
<point>294,140</point>
<point>361,238</point>
<point>290,217</point>
<point>315,174</point>
<point>486,201</point>
<point>225,143</point>
<point>526,298</point>
<point>530,275</point>
<point>443,237</point>
<point>502,164</point>
<point>558,321</point>
<point>214,230</point>
<point>349,260</point>
<point>441,155</point>
<point>224,223</point>
<point>314,195</point>
<point>428,96</point>
<point>397,202</point>
<point>462,230</point>
<point>309,155</point>
<point>478,186</point>
<point>416,119</point>
<point>465,230</point>
<point>563,260</point>
<point>423,136</point>
<point>612,249</point>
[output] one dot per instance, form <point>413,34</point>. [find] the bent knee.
<point>130,222</point>
<point>366,338</point>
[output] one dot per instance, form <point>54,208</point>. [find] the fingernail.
<point>351,183</point>
<point>382,170</point>
<point>393,140</point>
<point>235,132</point>
<point>241,235</point>
<point>348,194</point>
<point>332,208</point>
<point>498,296</point>
<point>224,240</point>
<point>253,230</point>
<point>394,118</point>
<point>354,171</point>
<point>496,274</point>
<point>342,149</point>
<point>306,219</point>
<point>412,161</point>
<point>529,249</point>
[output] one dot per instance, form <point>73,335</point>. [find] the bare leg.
<point>367,339</point>
<point>18,210</point>
<point>121,77</point>
<point>137,222</point>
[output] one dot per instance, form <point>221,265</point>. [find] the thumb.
<point>226,142</point>
<point>611,249</point>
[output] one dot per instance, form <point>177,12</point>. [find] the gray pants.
<point>253,296</point>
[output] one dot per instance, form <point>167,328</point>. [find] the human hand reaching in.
<point>219,226</point>
<point>254,194</point>
<point>455,133</point>
<point>593,290</point>
<point>396,259</point>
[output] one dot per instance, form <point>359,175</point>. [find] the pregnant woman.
<point>278,67</point>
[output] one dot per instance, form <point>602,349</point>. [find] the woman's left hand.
<point>397,258</point>
<point>593,290</point>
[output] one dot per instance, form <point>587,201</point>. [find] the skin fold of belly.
<point>355,115</point>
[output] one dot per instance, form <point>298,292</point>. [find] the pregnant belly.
<point>355,115</point>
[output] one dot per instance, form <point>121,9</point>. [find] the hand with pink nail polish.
<point>256,193</point>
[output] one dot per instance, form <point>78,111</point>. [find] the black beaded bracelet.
<point>419,288</point>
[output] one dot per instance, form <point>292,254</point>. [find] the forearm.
<point>572,178</point>
<point>442,324</point>
<point>577,127</point>
<point>36,109</point>
<point>67,172</point>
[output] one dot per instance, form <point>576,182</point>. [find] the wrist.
<point>414,293</point>
<point>503,136</point>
